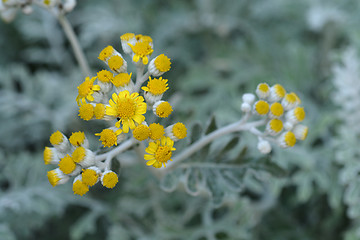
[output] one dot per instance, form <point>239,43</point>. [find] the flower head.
<point>287,139</point>
<point>162,109</point>
<point>78,139</point>
<point>59,141</point>
<point>86,91</point>
<point>123,82</point>
<point>125,39</point>
<point>106,53</point>
<point>277,92</point>
<point>109,137</point>
<point>109,179</point>
<point>84,157</point>
<point>99,111</point>
<point>51,156</point>
<point>156,131</point>
<point>79,187</point>
<point>142,50</point>
<point>159,152</point>
<point>261,107</point>
<point>176,131</point>
<point>128,108</point>
<point>141,132</point>
<point>67,165</point>
<point>90,176</point>
<point>57,177</point>
<point>262,90</point>
<point>86,111</point>
<point>159,65</point>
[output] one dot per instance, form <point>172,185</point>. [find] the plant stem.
<point>202,142</point>
<point>119,149</point>
<point>79,54</point>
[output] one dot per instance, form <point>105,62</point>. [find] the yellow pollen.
<point>77,138</point>
<point>279,90</point>
<point>163,153</point>
<point>47,2</point>
<point>276,109</point>
<point>56,138</point>
<point>156,131</point>
<point>126,108</point>
<point>127,36</point>
<point>108,137</point>
<point>89,177</point>
<point>299,113</point>
<point>261,107</point>
<point>67,165</point>
<point>86,111</point>
<point>263,87</point>
<point>179,130</point>
<point>79,154</point>
<point>141,50</point>
<point>110,179</point>
<point>47,155</point>
<point>156,86</point>
<point>163,110</point>
<point>121,80</point>
<point>162,63</point>
<point>53,177</point>
<point>80,188</point>
<point>276,125</point>
<point>145,38</point>
<point>99,111</point>
<point>290,139</point>
<point>105,76</point>
<point>141,132</point>
<point>115,62</point>
<point>106,52</point>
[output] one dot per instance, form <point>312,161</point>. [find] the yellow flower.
<point>159,65</point>
<point>141,50</point>
<point>106,53</point>
<point>109,137</point>
<point>105,76</point>
<point>86,89</point>
<point>67,165</point>
<point>176,131</point>
<point>78,139</point>
<point>86,111</point>
<point>162,109</point>
<point>156,131</point>
<point>141,132</point>
<point>156,86</point>
<point>127,108</point>
<point>109,179</point>
<point>159,152</point>
<point>79,187</point>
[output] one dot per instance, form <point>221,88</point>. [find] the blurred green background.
<point>219,50</point>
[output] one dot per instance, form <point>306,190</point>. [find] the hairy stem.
<point>119,149</point>
<point>205,140</point>
<point>79,54</point>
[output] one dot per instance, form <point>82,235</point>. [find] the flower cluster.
<point>74,159</point>
<point>281,113</point>
<point>9,8</point>
<point>113,96</point>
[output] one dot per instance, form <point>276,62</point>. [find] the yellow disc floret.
<point>121,80</point>
<point>179,130</point>
<point>289,139</point>
<point>56,138</point>
<point>261,107</point>
<point>141,132</point>
<point>86,111</point>
<point>99,111</point>
<point>106,52</point>
<point>79,154</point>
<point>129,108</point>
<point>127,36</point>
<point>163,110</point>
<point>279,90</point>
<point>159,152</point>
<point>86,89</point>
<point>67,165</point>
<point>162,63</point>
<point>115,62</point>
<point>48,155</point>
<point>53,177</point>
<point>276,109</point>
<point>156,131</point>
<point>156,86</point>
<point>276,125</point>
<point>299,113</point>
<point>141,50</point>
<point>77,138</point>
<point>80,188</point>
<point>109,179</point>
<point>105,76</point>
<point>89,177</point>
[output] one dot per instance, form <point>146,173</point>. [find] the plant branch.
<point>79,54</point>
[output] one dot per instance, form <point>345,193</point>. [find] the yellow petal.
<point>151,162</point>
